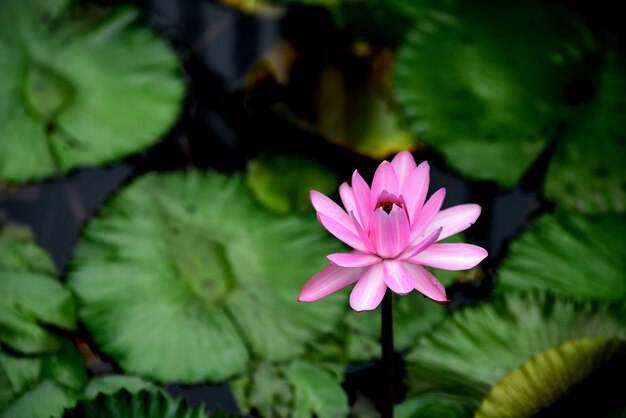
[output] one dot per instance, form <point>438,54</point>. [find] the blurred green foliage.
<point>74,86</point>
<point>187,277</point>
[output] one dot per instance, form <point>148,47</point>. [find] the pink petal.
<point>362,200</point>
<point>455,219</point>
<point>428,213</point>
<point>369,290</point>
<point>426,283</point>
<point>325,206</point>
<point>384,179</point>
<point>329,280</point>
<point>451,256</point>
<point>430,239</point>
<point>397,277</point>
<point>415,190</point>
<point>342,232</point>
<point>347,198</point>
<point>362,234</point>
<point>389,233</point>
<point>353,259</point>
<point>404,164</point>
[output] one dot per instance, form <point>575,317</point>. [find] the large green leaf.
<point>587,172</point>
<point>30,300</point>
<point>481,82</point>
<point>19,252</point>
<point>477,346</point>
<point>140,405</point>
<point>41,386</point>
<point>187,262</point>
<point>570,254</point>
<point>299,389</point>
<point>580,378</point>
<point>264,389</point>
<point>281,181</point>
<point>316,392</point>
<point>46,400</point>
<point>81,90</point>
<point>433,406</point>
<point>111,384</point>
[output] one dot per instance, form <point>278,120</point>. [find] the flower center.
<point>386,201</point>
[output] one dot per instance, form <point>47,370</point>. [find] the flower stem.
<point>387,342</point>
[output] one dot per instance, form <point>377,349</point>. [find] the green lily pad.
<point>481,83</point>
<point>433,406</point>
<point>41,386</point>
<point>19,252</point>
<point>80,90</point>
<point>264,389</point>
<point>187,262</point>
<point>47,399</point>
<point>281,182</point>
<point>477,346</point>
<point>139,405</point>
<point>567,372</point>
<point>569,254</point>
<point>587,172</point>
<point>316,392</point>
<point>29,302</point>
<point>299,389</point>
<point>111,384</point>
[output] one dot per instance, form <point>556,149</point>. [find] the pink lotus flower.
<point>393,233</point>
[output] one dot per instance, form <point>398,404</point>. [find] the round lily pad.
<point>41,386</point>
<point>80,90</point>
<point>111,384</point>
<point>579,378</point>
<point>481,82</point>
<point>281,181</point>
<point>433,406</point>
<point>19,252</point>
<point>299,389</point>
<point>569,254</point>
<point>188,263</point>
<point>32,299</point>
<point>587,172</point>
<point>138,405</point>
<point>316,392</point>
<point>477,346</point>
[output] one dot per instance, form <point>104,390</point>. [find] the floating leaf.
<point>300,389</point>
<point>570,254</point>
<point>140,405</point>
<point>316,392</point>
<point>582,374</point>
<point>281,182</point>
<point>265,389</point>
<point>587,172</point>
<point>111,384</point>
<point>482,83</point>
<point>433,406</point>
<point>190,264</point>
<point>477,346</point>
<point>19,252</point>
<point>28,301</point>
<point>46,400</point>
<point>78,92</point>
<point>40,386</point>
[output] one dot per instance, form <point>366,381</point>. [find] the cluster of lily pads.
<point>193,276</point>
